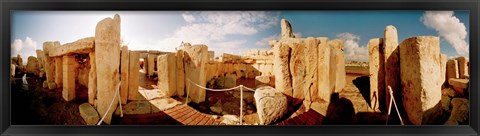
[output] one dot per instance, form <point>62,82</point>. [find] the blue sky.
<point>237,31</point>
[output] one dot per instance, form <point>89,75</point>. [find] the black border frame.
<point>146,5</point>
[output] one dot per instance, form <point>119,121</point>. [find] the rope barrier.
<point>111,103</point>
<point>392,99</point>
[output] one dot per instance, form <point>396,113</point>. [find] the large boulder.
<point>460,112</point>
<point>264,80</point>
<point>89,114</point>
<point>195,60</point>
<point>166,65</point>
<point>271,104</point>
<point>377,73</point>
<point>419,64</point>
<point>459,85</point>
<point>32,65</point>
<point>107,59</point>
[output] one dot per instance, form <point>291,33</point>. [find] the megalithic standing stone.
<point>392,64</point>
<point>283,82</point>
<point>377,73</point>
<point>286,28</point>
<point>107,53</point>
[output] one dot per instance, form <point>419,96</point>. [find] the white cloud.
<point>213,27</point>
<point>448,27</point>
<point>264,41</point>
<point>25,48</point>
<point>353,51</point>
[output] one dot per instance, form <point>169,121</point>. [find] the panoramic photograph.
<point>377,67</point>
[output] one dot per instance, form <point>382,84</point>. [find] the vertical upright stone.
<point>151,64</point>
<point>124,71</point>
<point>49,62</point>
<point>180,73</point>
<point>392,64</point>
<point>324,88</point>
<point>286,28</point>
<point>195,59</point>
<point>166,65</point>
<point>337,62</point>
<point>420,68</point>
<point>58,71</point>
<point>311,67</point>
<point>377,73</point>
<point>92,79</point>
<point>40,58</point>
<point>107,53</point>
<point>443,69</point>
<point>452,69</point>
<point>297,70</point>
<point>134,73</point>
<point>462,67</point>
<point>283,82</point>
<point>69,69</point>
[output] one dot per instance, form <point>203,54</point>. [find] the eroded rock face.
<point>283,82</point>
<point>92,79</point>
<point>195,60</point>
<point>264,80</point>
<point>271,105</point>
<point>452,69</point>
<point>460,112</point>
<point>166,66</point>
<point>32,65</point>
<point>392,64</point>
<point>297,70</point>
<point>89,114</point>
<point>377,72</point>
<point>419,64</point>
<point>337,65</point>
<point>180,73</point>
<point>324,87</point>
<point>311,69</point>
<point>286,28</point>
<point>107,53</point>
<point>49,62</point>
<point>227,81</point>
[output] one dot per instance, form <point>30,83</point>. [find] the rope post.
<point>241,104</point>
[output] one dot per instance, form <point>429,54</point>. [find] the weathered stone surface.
<point>166,72</point>
<point>324,88</point>
<point>337,65</point>
<point>124,73</point>
<point>92,79</point>
<point>107,53</point>
<point>137,107</point>
<point>443,69</point>
<point>459,85</point>
<point>59,71</point>
<point>195,60</point>
<point>89,114</point>
<point>151,64</point>
<point>452,69</point>
<point>69,77</point>
<point>49,62</point>
<point>180,73</point>
<point>133,81</point>
<point>32,65</point>
<point>81,46</point>
<point>419,64</point>
<point>12,70</point>
<point>377,73</point>
<point>286,29</point>
<point>320,107</point>
<point>311,69</point>
<point>449,92</point>
<point>227,81</point>
<point>297,70</point>
<point>40,56</point>
<point>264,80</point>
<point>163,104</point>
<point>460,112</point>
<point>392,63</point>
<point>283,82</point>
<point>271,104</point>
<point>462,67</point>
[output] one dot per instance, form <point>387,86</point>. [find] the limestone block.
<point>265,80</point>
<point>49,62</point>
<point>377,73</point>
<point>452,69</point>
<point>271,104</point>
<point>462,67</point>
<point>32,65</point>
<point>443,69</point>
<point>460,112</point>
<point>133,81</point>
<point>459,85</point>
<point>324,87</point>
<point>151,64</point>
<point>166,65</point>
<point>227,81</point>
<point>59,71</point>
<point>124,73</point>
<point>40,56</point>
<point>283,82</point>
<point>92,79</point>
<point>69,77</point>
<point>82,76</point>
<point>297,70</point>
<point>81,46</point>
<point>195,60</point>
<point>137,107</point>
<point>419,64</point>
<point>311,69</point>
<point>392,64</point>
<point>89,114</point>
<point>337,64</point>
<point>286,29</point>
<point>107,59</point>
<point>180,73</point>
